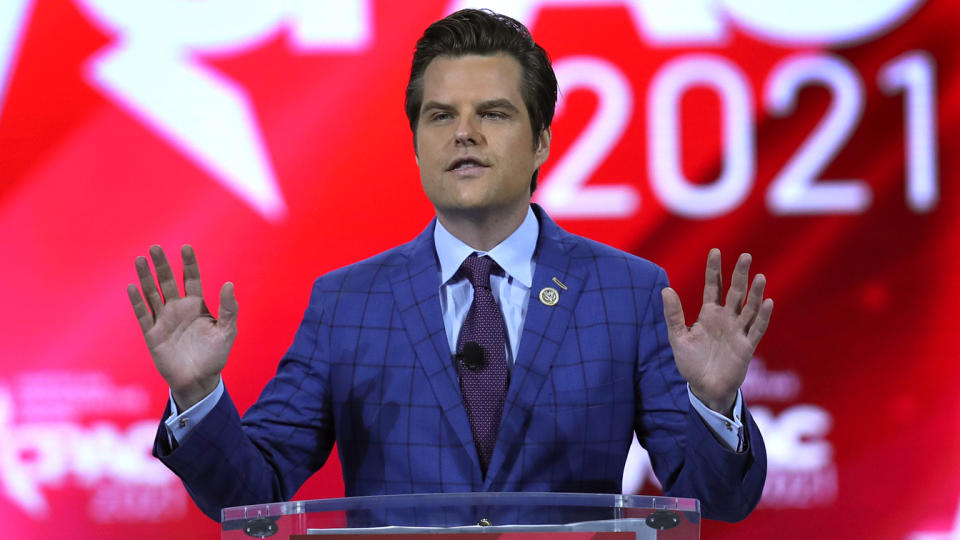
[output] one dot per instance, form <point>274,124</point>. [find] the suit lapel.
<point>543,331</point>
<point>416,284</point>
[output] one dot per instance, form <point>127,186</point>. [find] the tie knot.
<point>478,270</point>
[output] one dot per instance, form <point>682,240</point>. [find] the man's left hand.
<point>713,354</point>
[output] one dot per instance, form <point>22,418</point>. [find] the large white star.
<point>152,72</point>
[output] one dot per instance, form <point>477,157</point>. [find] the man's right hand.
<point>188,346</point>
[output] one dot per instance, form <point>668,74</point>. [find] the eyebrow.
<point>435,106</point>
<point>498,103</point>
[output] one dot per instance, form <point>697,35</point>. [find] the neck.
<point>482,231</point>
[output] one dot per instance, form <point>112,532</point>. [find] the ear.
<point>543,147</point>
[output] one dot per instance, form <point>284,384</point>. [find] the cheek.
<point>523,148</point>
<point>426,180</point>
<point>428,152</point>
<point>431,183</point>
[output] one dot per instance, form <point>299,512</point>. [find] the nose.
<point>467,133</point>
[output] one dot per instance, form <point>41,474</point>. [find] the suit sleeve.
<point>282,439</point>
<point>687,458</point>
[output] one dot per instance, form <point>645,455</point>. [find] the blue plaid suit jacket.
<point>370,369</point>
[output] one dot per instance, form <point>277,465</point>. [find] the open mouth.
<point>463,164</point>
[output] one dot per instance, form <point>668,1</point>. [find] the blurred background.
<point>815,134</point>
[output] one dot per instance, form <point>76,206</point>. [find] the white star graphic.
<point>152,72</point>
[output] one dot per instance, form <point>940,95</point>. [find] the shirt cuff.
<point>730,431</point>
<point>179,425</point>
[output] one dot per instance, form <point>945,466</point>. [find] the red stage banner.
<point>814,134</point>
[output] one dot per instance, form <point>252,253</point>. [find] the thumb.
<point>673,311</point>
<point>227,314</point>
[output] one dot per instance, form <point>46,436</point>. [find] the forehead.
<point>473,78</point>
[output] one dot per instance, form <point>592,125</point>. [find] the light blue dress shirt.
<point>511,290</point>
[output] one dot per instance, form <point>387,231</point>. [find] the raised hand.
<point>713,354</point>
<point>188,346</point>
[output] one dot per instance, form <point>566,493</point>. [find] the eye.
<point>439,116</point>
<point>496,115</point>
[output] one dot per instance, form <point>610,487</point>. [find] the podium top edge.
<point>460,499</point>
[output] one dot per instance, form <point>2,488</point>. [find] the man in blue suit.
<point>494,352</point>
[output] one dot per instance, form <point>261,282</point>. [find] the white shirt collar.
<point>514,254</point>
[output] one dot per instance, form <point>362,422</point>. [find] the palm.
<point>188,345</point>
<point>713,354</point>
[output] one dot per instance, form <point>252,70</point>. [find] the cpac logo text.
<point>801,472</point>
<point>708,22</point>
<point>114,463</point>
<point>152,69</point>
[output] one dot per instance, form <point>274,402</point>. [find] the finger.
<point>673,311</point>
<point>227,314</point>
<point>148,285</point>
<point>760,324</point>
<point>191,272</point>
<point>168,285</point>
<point>738,283</point>
<point>713,281</point>
<point>140,308</point>
<point>753,301</point>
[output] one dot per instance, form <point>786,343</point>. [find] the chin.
<point>471,207</point>
<point>470,201</point>
<point>467,207</point>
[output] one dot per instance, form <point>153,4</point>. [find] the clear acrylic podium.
<point>450,516</point>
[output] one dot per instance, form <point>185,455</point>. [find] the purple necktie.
<point>483,382</point>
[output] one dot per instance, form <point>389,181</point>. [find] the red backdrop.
<point>814,134</point>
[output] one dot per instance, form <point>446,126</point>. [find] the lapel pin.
<point>559,283</point>
<point>549,296</point>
